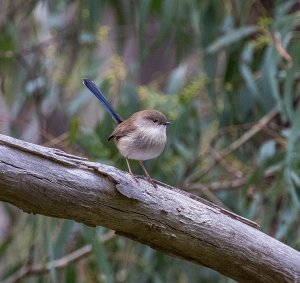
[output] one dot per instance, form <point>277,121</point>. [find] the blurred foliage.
<point>226,73</point>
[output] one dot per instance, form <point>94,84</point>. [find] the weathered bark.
<point>50,182</point>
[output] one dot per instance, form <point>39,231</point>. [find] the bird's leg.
<point>147,174</point>
<point>130,172</point>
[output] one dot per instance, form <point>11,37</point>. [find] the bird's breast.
<point>143,144</point>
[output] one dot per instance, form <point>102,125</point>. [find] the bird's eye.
<point>155,120</point>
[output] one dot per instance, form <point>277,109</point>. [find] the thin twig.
<point>213,198</point>
<point>281,50</point>
<point>249,134</point>
<point>37,269</point>
<point>227,184</point>
<point>225,164</point>
<point>235,145</point>
<point>219,185</point>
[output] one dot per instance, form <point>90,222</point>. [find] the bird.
<point>140,137</point>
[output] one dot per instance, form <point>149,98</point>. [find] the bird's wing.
<point>123,129</point>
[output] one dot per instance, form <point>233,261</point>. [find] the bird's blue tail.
<point>97,92</point>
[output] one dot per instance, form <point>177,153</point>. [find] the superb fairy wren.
<point>140,137</point>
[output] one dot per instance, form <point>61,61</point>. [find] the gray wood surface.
<point>51,182</point>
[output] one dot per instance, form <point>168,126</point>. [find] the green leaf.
<point>267,150</point>
<point>177,79</point>
<point>93,236</point>
<point>63,235</point>
<point>230,38</point>
<point>50,248</point>
<point>247,57</point>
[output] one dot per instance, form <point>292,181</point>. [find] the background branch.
<point>34,269</point>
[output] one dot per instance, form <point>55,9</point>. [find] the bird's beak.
<point>167,123</point>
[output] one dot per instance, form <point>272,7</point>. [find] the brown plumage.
<point>128,126</point>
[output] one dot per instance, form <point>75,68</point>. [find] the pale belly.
<point>136,149</point>
<point>145,154</point>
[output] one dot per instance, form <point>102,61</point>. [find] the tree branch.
<point>53,183</point>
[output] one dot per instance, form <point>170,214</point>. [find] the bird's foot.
<point>135,178</point>
<point>149,179</point>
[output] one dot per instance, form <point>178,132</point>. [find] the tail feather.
<point>97,92</point>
